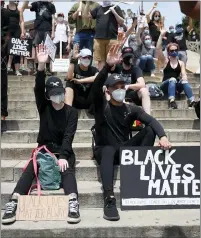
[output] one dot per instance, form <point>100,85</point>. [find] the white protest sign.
<point>42,208</point>
<point>60,65</point>
<point>50,47</point>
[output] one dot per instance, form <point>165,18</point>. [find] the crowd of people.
<point>105,76</point>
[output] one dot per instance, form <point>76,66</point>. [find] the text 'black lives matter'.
<point>20,47</point>
<point>155,179</point>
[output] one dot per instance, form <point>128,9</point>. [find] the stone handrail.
<point>193,46</point>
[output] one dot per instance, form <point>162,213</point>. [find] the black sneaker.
<point>48,73</point>
<point>192,104</point>
<point>172,104</point>
<point>3,126</point>
<point>10,213</point>
<point>73,211</point>
<point>110,209</point>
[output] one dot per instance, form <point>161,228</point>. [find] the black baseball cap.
<point>54,86</point>
<point>113,79</point>
<point>127,51</point>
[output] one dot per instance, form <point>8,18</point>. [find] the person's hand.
<point>127,87</point>
<point>155,5</point>
<point>22,36</point>
<point>41,54</point>
<point>164,143</point>
<point>63,164</point>
<point>113,10</point>
<point>76,51</point>
<point>52,35</point>
<point>76,81</point>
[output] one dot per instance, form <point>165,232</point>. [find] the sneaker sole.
<point>73,220</point>
<point>8,221</point>
<point>111,218</point>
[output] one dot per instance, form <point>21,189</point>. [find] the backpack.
<point>197,109</point>
<point>154,90</point>
<point>47,173</point>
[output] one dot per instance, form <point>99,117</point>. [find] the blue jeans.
<point>146,63</point>
<point>84,39</point>
<point>171,86</point>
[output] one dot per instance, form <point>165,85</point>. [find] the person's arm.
<point>25,5</point>
<point>88,79</point>
<point>155,55</point>
<point>138,36</point>
<point>73,14</point>
<point>183,70</point>
<point>71,127</point>
<point>137,76</point>
<point>131,29</point>
<point>118,15</point>
<point>190,25</point>
<point>22,23</point>
<point>69,36</point>
<point>150,11</point>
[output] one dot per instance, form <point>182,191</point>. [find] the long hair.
<point>161,21</point>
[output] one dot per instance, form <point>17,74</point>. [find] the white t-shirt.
<point>61,33</point>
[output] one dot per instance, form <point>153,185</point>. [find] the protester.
<point>155,23</point>
<point>85,27</point>
<point>180,36</point>
<point>58,123</point>
<point>4,77</point>
<point>106,30</point>
<point>62,33</point>
<point>136,90</point>
<point>16,30</point>
<point>172,82</point>
<point>44,23</point>
<point>112,123</point>
<point>80,79</point>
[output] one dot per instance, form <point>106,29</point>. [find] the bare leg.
<point>69,96</point>
<point>143,94</point>
<point>10,59</point>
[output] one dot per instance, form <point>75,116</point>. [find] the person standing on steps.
<point>58,124</point>
<point>113,120</point>
<point>44,24</point>
<point>16,30</point>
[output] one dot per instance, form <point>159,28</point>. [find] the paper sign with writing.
<point>50,47</point>
<point>42,208</point>
<point>20,47</point>
<point>155,179</point>
<point>60,65</point>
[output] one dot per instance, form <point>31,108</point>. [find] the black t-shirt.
<point>4,24</point>
<point>106,25</point>
<point>80,74</point>
<point>180,39</point>
<point>44,12</point>
<point>154,32</point>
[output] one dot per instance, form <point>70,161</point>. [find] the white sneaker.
<point>18,73</point>
<point>153,75</point>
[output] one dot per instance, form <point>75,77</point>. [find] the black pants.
<point>107,156</point>
<point>4,85</point>
<point>68,180</point>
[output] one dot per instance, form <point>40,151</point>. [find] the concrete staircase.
<point>182,129</point>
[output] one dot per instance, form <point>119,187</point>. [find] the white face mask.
<point>60,19</point>
<point>57,98</point>
<point>119,95</point>
<point>106,3</point>
<point>85,62</point>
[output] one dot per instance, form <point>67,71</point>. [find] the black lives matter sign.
<point>155,179</point>
<point>20,47</point>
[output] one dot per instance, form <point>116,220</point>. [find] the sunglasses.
<point>172,51</point>
<point>157,16</point>
<point>86,57</point>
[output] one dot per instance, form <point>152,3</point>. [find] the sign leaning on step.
<point>151,178</point>
<point>20,47</point>
<point>50,47</point>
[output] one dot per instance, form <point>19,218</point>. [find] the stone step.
<point>155,104</point>
<point>174,135</point>
<point>33,124</point>
<point>135,224</point>
<point>83,151</point>
<point>32,113</point>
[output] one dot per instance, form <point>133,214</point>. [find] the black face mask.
<point>128,61</point>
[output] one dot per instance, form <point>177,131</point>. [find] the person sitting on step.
<point>58,124</point>
<point>173,69</point>
<point>113,120</point>
<point>136,90</point>
<point>80,79</point>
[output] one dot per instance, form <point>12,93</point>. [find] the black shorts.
<point>64,45</point>
<point>81,97</point>
<point>40,37</point>
<point>132,96</point>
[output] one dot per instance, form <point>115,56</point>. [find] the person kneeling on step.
<point>113,120</point>
<point>58,124</point>
<point>136,90</point>
<point>80,79</point>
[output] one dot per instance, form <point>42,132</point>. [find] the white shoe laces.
<point>10,206</point>
<point>73,206</point>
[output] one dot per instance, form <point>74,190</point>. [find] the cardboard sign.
<point>155,179</point>
<point>60,65</point>
<point>20,47</point>
<point>42,208</point>
<point>50,47</point>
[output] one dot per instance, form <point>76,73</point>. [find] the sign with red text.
<point>155,179</point>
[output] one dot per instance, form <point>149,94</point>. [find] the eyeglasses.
<point>86,57</point>
<point>172,51</point>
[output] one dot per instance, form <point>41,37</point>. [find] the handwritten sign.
<point>155,179</point>
<point>20,47</point>
<point>60,65</point>
<point>42,208</point>
<point>50,47</point>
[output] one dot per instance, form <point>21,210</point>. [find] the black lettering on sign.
<point>20,47</point>
<point>155,179</point>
